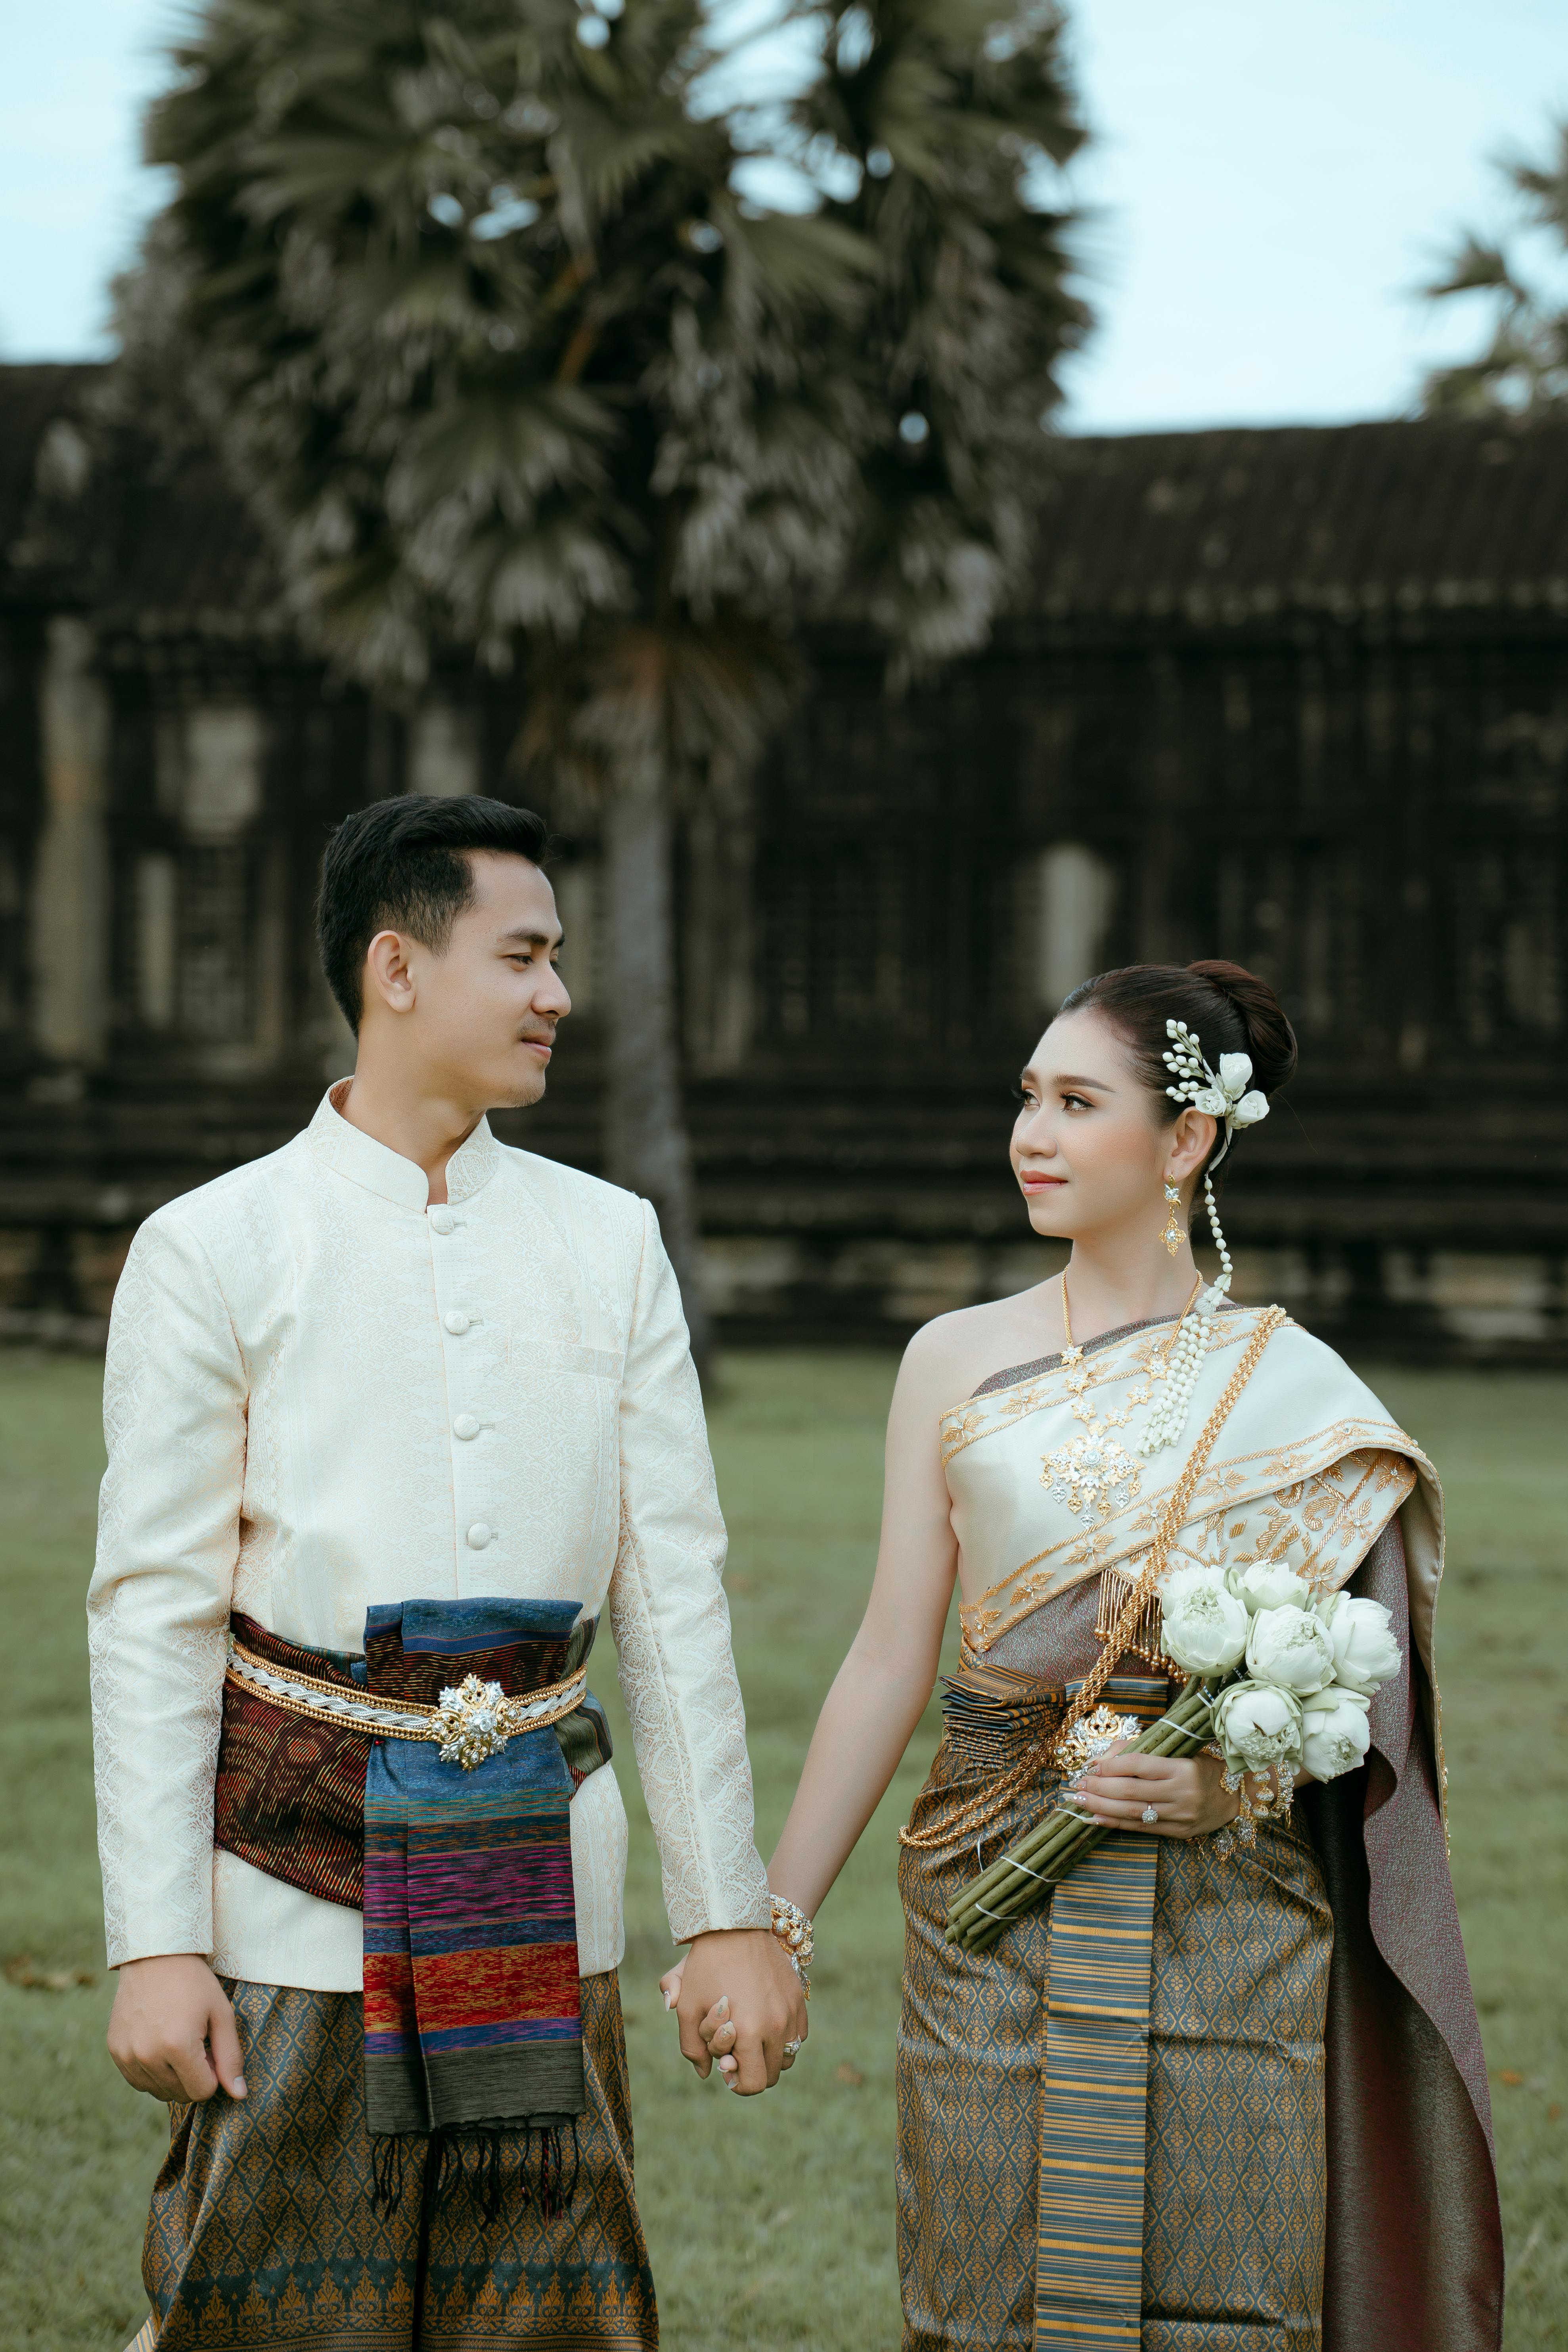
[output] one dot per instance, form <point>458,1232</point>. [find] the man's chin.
<point>522,1087</point>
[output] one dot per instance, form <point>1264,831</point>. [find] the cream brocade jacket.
<point>322,1393</point>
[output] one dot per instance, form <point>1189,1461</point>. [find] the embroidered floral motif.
<point>1091,1471</point>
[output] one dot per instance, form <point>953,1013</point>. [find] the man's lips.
<point>541,1046</point>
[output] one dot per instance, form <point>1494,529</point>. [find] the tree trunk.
<point>646,1145</point>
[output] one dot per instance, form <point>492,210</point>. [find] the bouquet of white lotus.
<point>1279,1684</point>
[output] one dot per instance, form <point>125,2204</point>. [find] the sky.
<point>1264,188</point>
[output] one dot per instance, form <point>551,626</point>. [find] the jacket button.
<point>456,1322</point>
<point>441,1221</point>
<point>465,1426</point>
<point>478,1536</point>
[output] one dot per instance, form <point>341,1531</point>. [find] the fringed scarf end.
<point>545,2188</point>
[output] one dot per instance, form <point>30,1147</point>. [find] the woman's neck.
<point>1107,1287</point>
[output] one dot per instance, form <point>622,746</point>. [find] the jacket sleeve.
<point>158,1607</point>
<point>671,1623</point>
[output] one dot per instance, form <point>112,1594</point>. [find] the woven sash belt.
<point>429,1784</point>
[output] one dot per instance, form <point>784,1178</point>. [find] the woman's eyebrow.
<point>1098,1086</point>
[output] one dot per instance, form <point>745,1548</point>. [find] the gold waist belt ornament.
<point>470,1721</point>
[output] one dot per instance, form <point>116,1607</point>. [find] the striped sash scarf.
<point>472,2005</point>
<point>1090,2257</point>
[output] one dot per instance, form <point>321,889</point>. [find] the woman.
<point>1206,2099</point>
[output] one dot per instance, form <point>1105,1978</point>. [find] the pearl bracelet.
<point>795,1932</point>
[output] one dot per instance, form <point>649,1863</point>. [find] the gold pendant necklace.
<point>1096,1472</point>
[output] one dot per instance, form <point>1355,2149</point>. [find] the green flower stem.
<point>1051,1847</point>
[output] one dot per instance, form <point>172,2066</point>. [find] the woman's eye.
<point>1075,1102</point>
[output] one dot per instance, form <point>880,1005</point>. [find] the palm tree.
<point>1523,371</point>
<point>484,306</point>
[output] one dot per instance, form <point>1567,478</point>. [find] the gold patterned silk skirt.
<point>1041,2122</point>
<point>267,2227</point>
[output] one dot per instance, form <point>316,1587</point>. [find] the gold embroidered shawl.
<point>1309,1468</point>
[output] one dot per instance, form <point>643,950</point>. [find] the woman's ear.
<point>1191,1140</point>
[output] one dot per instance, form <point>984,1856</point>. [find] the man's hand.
<point>171,2031</point>
<point>745,1967</point>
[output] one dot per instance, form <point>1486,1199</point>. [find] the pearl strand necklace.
<point>1168,1419</point>
<point>1179,1370</point>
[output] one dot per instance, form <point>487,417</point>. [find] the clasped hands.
<point>740,2006</point>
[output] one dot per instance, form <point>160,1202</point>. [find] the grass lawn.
<point>771,2221</point>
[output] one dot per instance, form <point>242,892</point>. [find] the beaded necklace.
<point>1096,1470</point>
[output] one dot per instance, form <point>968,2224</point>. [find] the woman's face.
<point>1088,1147</point>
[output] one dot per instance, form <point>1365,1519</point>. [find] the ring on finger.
<point>1150,1813</point>
<point>793,2049</point>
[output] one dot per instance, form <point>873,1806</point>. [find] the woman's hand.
<point>1185,1792</point>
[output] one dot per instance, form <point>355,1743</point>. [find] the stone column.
<point>70,913</point>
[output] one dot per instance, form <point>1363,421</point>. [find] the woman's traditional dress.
<point>1195,2104</point>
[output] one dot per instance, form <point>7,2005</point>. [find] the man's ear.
<point>388,976</point>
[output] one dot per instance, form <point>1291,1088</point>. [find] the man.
<point>392,1415</point>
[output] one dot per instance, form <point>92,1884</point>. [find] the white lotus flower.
<point>1212,1101</point>
<point>1366,1654</point>
<point>1268,1584</point>
<point>1258,1725</point>
<point>1234,1070</point>
<point>1204,1626</point>
<point>1250,1110</point>
<point>1335,1734</point>
<point>1291,1647</point>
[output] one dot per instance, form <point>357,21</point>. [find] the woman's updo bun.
<point>1227,1008</point>
<point>1270,1038</point>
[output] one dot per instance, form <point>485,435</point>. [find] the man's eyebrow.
<point>531,938</point>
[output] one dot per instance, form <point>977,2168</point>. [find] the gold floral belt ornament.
<point>470,1721</point>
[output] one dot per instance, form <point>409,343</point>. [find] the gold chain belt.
<point>470,1721</point>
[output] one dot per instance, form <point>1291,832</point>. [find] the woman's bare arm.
<point>881,1690</point>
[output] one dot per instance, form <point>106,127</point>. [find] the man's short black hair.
<point>400,866</point>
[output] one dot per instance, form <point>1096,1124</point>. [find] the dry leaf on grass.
<point>24,1971</point>
<point>850,2074</point>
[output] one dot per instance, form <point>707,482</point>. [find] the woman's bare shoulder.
<point>950,1356</point>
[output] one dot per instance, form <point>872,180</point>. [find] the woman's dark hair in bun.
<point>1230,1010</point>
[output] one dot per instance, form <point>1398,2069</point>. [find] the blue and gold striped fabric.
<point>1090,2258</point>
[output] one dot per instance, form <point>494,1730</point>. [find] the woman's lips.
<point>1042,1183</point>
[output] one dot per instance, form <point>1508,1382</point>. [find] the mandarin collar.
<point>350,1153</point>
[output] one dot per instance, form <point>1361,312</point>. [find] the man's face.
<point>480,1017</point>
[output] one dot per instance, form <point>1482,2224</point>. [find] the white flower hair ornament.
<point>1226,1095</point>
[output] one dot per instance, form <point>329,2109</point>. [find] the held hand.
<point>171,2031</point>
<point>739,2000</point>
<point>1185,1792</point>
<point>717,2028</point>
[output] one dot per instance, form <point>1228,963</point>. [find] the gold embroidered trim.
<point>976,1417</point>
<point>1238,1483</point>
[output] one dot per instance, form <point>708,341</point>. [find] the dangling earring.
<point>1224,1282</point>
<point>1173,1234</point>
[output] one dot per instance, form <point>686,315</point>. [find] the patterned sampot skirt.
<point>1111,2125</point>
